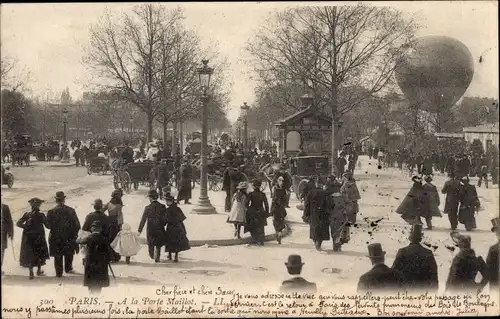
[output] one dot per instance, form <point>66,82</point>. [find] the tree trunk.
<point>174,138</point>
<point>150,127</point>
<point>334,154</point>
<point>165,132</point>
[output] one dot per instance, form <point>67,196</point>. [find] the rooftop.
<point>483,128</point>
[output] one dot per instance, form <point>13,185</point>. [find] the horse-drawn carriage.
<point>22,148</point>
<point>98,165</point>
<point>47,151</point>
<point>135,174</point>
<point>302,168</point>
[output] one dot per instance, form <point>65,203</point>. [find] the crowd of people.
<point>103,239</point>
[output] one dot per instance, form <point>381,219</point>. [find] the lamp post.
<point>65,158</point>
<point>131,129</point>
<point>245,109</point>
<point>204,206</point>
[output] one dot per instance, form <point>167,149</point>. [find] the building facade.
<point>486,133</point>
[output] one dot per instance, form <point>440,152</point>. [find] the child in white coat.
<point>127,243</point>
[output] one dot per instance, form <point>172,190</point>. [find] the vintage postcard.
<point>249,159</point>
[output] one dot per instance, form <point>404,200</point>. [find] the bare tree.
<point>331,50</point>
<point>126,55</point>
<point>13,77</point>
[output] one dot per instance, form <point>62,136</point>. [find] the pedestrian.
<point>415,204</point>
<point>7,229</point>
<point>278,210</point>
<point>126,243</point>
<point>336,207</point>
<point>287,182</point>
<point>417,263</point>
<point>186,175</point>
<point>469,204</point>
<point>176,236</point>
<point>239,205</point>
<point>34,249</point>
<point>492,259</point>
<point>98,214</point>
<point>64,226</point>
<point>162,177</point>
<point>483,171</point>
<point>380,278</point>
<point>452,190</point>
<point>316,215</point>
<point>464,267</point>
<point>115,212</point>
<point>96,261</point>
<point>257,214</point>
<point>296,283</point>
<point>155,214</point>
<point>232,178</point>
<point>431,192</point>
<point>341,163</point>
<point>350,191</point>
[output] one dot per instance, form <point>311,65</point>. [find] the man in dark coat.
<point>232,178</point>
<point>492,259</point>
<point>431,192</point>
<point>452,190</point>
<point>380,278</point>
<point>185,183</point>
<point>297,283</point>
<point>64,226</point>
<point>7,228</point>
<point>427,165</point>
<point>316,215</point>
<point>417,263</point>
<point>155,214</point>
<point>469,204</point>
<point>162,176</point>
<point>98,215</point>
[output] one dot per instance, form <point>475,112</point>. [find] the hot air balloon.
<point>435,72</point>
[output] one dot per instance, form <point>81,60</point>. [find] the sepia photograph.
<point>250,159</point>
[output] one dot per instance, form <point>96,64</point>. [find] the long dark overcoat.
<point>315,211</point>
<point>415,204</point>
<point>434,201</point>
<point>100,217</point>
<point>351,193</point>
<point>469,203</point>
<point>7,225</point>
<point>463,271</point>
<point>186,173</point>
<point>155,214</point>
<point>96,260</point>
<point>336,206</point>
<point>34,249</point>
<point>452,190</point>
<point>257,212</point>
<point>380,279</point>
<point>176,236</point>
<point>64,226</point>
<point>418,266</point>
<point>492,262</point>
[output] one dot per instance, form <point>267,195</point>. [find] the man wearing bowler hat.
<point>492,258</point>
<point>380,277</point>
<point>297,283</point>
<point>64,226</point>
<point>155,214</point>
<point>417,263</point>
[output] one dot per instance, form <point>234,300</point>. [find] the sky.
<point>47,39</point>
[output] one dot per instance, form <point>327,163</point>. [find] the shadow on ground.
<point>186,264</point>
<point>19,280</point>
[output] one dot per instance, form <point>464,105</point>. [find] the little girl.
<point>126,243</point>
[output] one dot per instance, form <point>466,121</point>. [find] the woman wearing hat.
<point>176,236</point>
<point>434,201</point>
<point>415,204</point>
<point>469,204</point>
<point>492,259</point>
<point>238,212</point>
<point>115,212</point>
<point>186,174</point>
<point>96,259</point>
<point>257,213</point>
<point>34,249</point>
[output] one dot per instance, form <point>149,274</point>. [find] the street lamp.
<point>131,121</point>
<point>245,109</point>
<point>64,158</point>
<point>204,206</point>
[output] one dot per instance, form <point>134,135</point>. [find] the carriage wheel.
<point>300,188</point>
<point>89,171</point>
<point>10,180</point>
<point>115,181</point>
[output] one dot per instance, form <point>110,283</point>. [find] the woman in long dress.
<point>350,191</point>
<point>176,236</point>
<point>237,215</point>
<point>115,212</point>
<point>34,249</point>
<point>278,210</point>
<point>257,213</point>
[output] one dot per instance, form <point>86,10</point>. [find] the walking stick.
<point>112,272</point>
<point>13,252</point>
